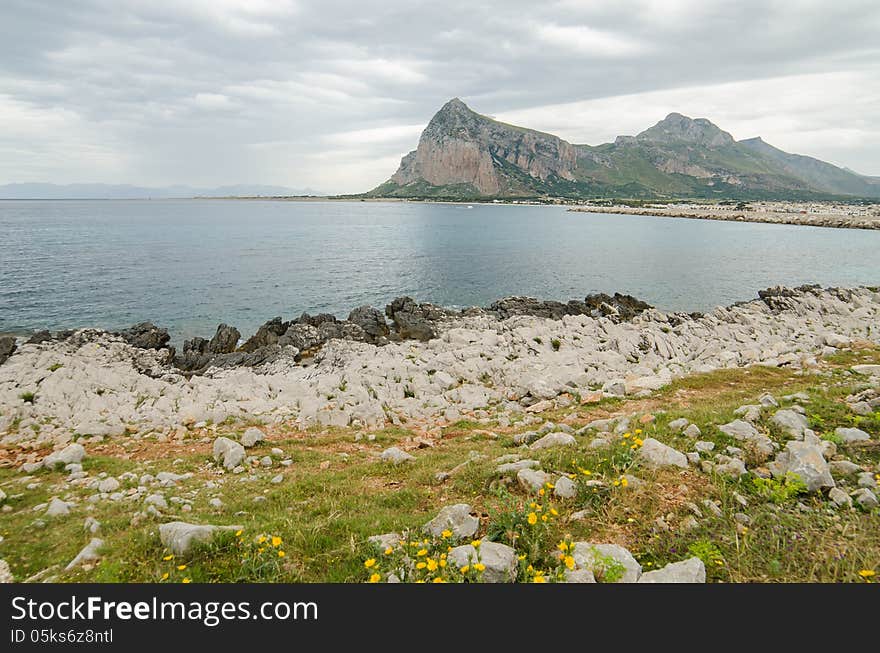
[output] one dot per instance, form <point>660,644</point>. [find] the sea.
<point>189,265</point>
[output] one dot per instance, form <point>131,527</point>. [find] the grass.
<point>336,493</point>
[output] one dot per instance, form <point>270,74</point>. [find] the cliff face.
<point>462,154</point>
<point>461,147</point>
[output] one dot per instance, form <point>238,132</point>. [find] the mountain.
<point>464,155</point>
<point>121,191</point>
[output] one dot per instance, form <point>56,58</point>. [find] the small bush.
<point>28,397</point>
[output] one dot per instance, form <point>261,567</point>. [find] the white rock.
<point>532,479</point>
<point>455,518</point>
<point>588,555</point>
<point>396,456</point>
<point>655,455</point>
<point>851,434</point>
<point>88,554</point>
<point>179,536</point>
<point>691,570</point>
<point>553,440</point>
<point>500,560</point>
<point>252,436</point>
<point>72,453</point>
<point>565,488</point>
<point>228,452</point>
<point>58,508</point>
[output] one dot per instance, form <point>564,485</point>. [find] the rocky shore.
<point>425,365</point>
<point>728,214</point>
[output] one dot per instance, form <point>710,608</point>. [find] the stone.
<point>109,484</point>
<point>704,446</point>
<point>655,455</point>
<point>455,518</point>
<point>216,503</point>
<point>7,347</point>
<point>730,466</point>
<point>851,434</point>
<point>225,340</point>
<point>679,424</point>
<point>278,478</point>
<point>507,468</point>
<point>371,321</point>
<point>396,456</point>
<point>146,335</point>
<point>836,340</point>
<point>768,401</point>
<point>58,508</point>
<point>228,452</point>
<point>865,498</point>
<point>89,553</point>
<point>840,498</point>
<point>843,467</point>
<point>790,422</point>
<point>807,462</point>
<point>565,488</point>
<point>72,453</point>
<point>500,560</point>
<point>578,576</point>
<point>712,507</point>
<point>553,440</point>
<point>588,555</point>
<point>692,431</point>
<point>5,571</point>
<point>527,437</point>
<point>749,412</point>
<point>866,370</point>
<point>385,540</point>
<point>866,479</point>
<point>862,408</point>
<point>739,430</point>
<point>157,501</point>
<point>253,435</point>
<point>532,479</point>
<point>179,536</point>
<point>2,496</point>
<point>691,570</point>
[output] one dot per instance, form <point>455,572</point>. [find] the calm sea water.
<point>189,265</point>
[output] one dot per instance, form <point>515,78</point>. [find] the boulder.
<point>790,422</point>
<point>146,335</point>
<point>692,431</point>
<point>225,340</point>
<point>179,536</point>
<point>108,484</point>
<point>72,453</point>
<point>691,570</point>
<point>840,498</point>
<point>268,334</point>
<point>553,440</point>
<point>413,321</point>
<point>396,456</point>
<point>455,518</point>
<point>371,321</point>
<point>594,557</point>
<point>7,347</point>
<point>865,498</point>
<point>58,508</point>
<point>565,488</point>
<point>89,553</point>
<point>507,468</point>
<point>251,436</point>
<point>228,452</point>
<point>653,454</point>
<point>385,540</point>
<point>532,479</point>
<point>500,560</point>
<point>805,460</point>
<point>679,424</point>
<point>851,434</point>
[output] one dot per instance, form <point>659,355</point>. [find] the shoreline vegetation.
<point>529,442</point>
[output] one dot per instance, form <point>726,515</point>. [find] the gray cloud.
<point>330,94</point>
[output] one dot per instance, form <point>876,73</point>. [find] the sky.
<point>330,95</point>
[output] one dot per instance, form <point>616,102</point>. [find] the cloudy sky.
<point>331,94</point>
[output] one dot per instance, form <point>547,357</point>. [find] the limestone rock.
<point>179,536</point>
<point>588,555</point>
<point>396,456</point>
<point>691,570</point>
<point>89,553</point>
<point>553,440</point>
<point>500,560</point>
<point>228,452</point>
<point>456,518</point>
<point>253,435</point>
<point>655,455</point>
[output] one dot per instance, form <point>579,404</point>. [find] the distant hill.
<point>110,191</point>
<point>464,155</point>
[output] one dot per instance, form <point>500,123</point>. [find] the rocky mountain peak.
<point>677,128</point>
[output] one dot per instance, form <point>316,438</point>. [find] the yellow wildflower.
<point>389,551</point>
<point>623,481</point>
<point>168,557</point>
<point>532,518</point>
<point>442,563</point>
<point>438,580</point>
<point>562,546</point>
<point>261,539</point>
<point>165,576</point>
<point>186,580</point>
<point>432,564</point>
<point>375,578</point>
<point>465,569</point>
<point>542,492</point>
<point>421,565</point>
<point>626,436</point>
<point>480,566</point>
<point>639,441</point>
<point>276,541</point>
<point>238,533</point>
<point>476,544</point>
<point>181,567</point>
<point>543,517</point>
<point>371,562</point>
<point>422,553</point>
<point>539,578</point>
<point>445,534</point>
<point>569,562</point>
<point>638,431</point>
<point>554,512</point>
<point>281,554</point>
<point>867,573</point>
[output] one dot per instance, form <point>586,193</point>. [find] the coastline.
<point>728,215</point>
